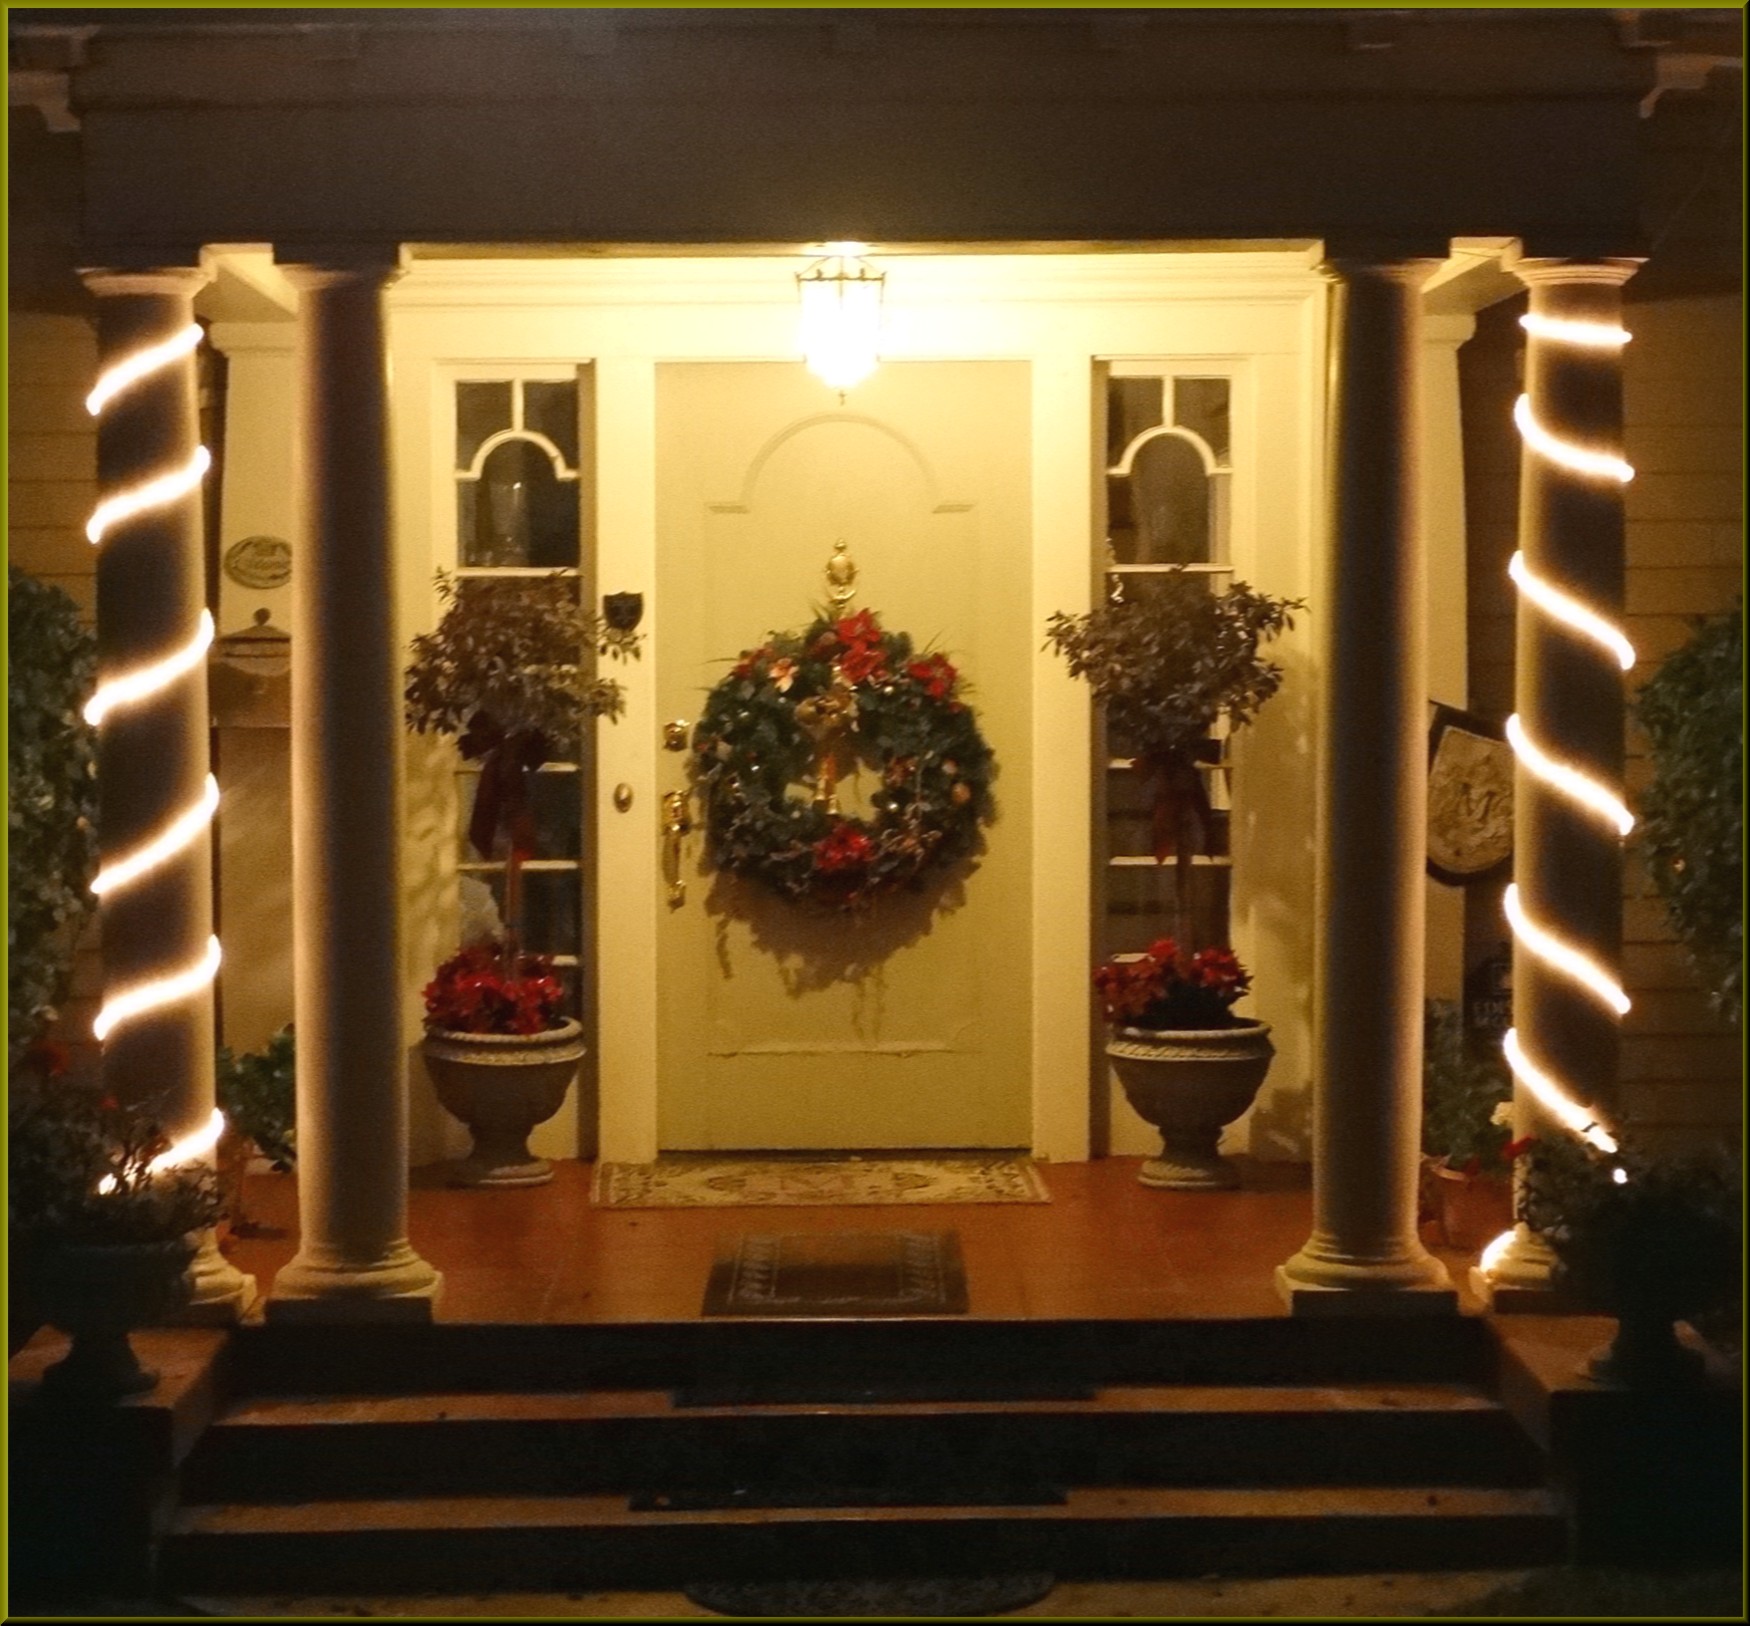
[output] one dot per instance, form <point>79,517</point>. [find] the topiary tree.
<point>51,762</point>
<point>1692,814</point>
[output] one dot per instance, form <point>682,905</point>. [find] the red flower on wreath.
<point>863,662</point>
<point>751,661</point>
<point>861,628</point>
<point>936,673</point>
<point>843,848</point>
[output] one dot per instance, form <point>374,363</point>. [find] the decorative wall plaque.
<point>259,561</point>
<point>1470,798</point>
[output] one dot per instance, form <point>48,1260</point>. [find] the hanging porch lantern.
<point>841,315</point>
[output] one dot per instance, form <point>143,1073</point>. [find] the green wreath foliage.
<point>753,764</point>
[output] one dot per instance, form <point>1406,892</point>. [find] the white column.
<point>1370,614</point>
<point>156,917</point>
<point>1568,700</point>
<point>354,1261</point>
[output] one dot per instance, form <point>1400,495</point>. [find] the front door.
<point>906,1026</point>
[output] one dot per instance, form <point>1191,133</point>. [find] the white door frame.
<point>1059,312</point>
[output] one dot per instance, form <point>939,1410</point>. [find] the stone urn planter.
<point>1191,1084</point>
<point>501,1085</point>
<point>99,1293</point>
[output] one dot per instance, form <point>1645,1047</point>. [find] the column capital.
<point>1405,271</point>
<point>315,268</point>
<point>1551,270</point>
<point>166,281</point>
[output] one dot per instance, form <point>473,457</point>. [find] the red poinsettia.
<point>935,672</point>
<point>473,993</point>
<point>844,848</point>
<point>861,628</point>
<point>1166,988</point>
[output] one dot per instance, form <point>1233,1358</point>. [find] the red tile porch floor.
<point>1105,1247</point>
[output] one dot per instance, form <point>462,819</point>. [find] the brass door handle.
<point>677,820</point>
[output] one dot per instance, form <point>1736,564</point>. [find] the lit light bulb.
<point>1568,610</point>
<point>141,364</point>
<point>841,316</point>
<point>160,991</point>
<point>149,494</point>
<point>1564,453</point>
<point>1550,1095</point>
<point>1563,957</point>
<point>1585,335</point>
<point>1579,788</point>
<point>145,681</point>
<point>176,836</point>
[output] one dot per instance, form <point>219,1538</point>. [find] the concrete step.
<point>485,1543</point>
<point>748,1361</point>
<point>610,1440</point>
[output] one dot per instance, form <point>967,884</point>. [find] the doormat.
<point>878,1599</point>
<point>772,1182</point>
<point>846,1273</point>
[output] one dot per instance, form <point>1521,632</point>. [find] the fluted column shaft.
<point>354,1260</point>
<point>1370,617</point>
<point>155,803</point>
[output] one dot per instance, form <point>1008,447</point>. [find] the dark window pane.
<point>1143,904</point>
<point>522,514</point>
<point>1201,405</point>
<point>481,410</point>
<point>1169,495</point>
<point>551,410</point>
<point>556,801</point>
<point>1132,405</point>
<point>551,911</point>
<point>1130,802</point>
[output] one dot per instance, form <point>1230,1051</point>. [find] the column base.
<point>320,1286</point>
<point>223,1295</point>
<point>1522,1280</point>
<point>1320,1281</point>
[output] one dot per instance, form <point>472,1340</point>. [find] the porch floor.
<point>1104,1248</point>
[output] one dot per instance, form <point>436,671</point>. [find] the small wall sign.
<point>259,562</point>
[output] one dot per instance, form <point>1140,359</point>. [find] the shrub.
<point>51,762</point>
<point>1692,814</point>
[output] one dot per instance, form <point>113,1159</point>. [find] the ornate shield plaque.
<point>1470,798</point>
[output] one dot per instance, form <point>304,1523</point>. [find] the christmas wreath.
<point>795,714</point>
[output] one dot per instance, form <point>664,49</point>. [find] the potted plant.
<point>501,1053</point>
<point>257,1092</point>
<point>107,1236</point>
<point>1467,1150</point>
<point>1188,1065</point>
<point>1650,1240</point>
<point>1167,661</point>
<point>506,674</point>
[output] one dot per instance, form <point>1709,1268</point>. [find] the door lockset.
<point>677,820</point>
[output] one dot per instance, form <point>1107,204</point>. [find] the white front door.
<point>907,1026</point>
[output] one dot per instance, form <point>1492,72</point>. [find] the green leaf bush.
<point>1692,814</point>
<point>258,1095</point>
<point>51,762</point>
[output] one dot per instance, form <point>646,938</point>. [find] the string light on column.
<point>165,990</point>
<point>177,836</point>
<point>1565,780</point>
<point>186,1150</point>
<point>149,494</point>
<point>144,683</point>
